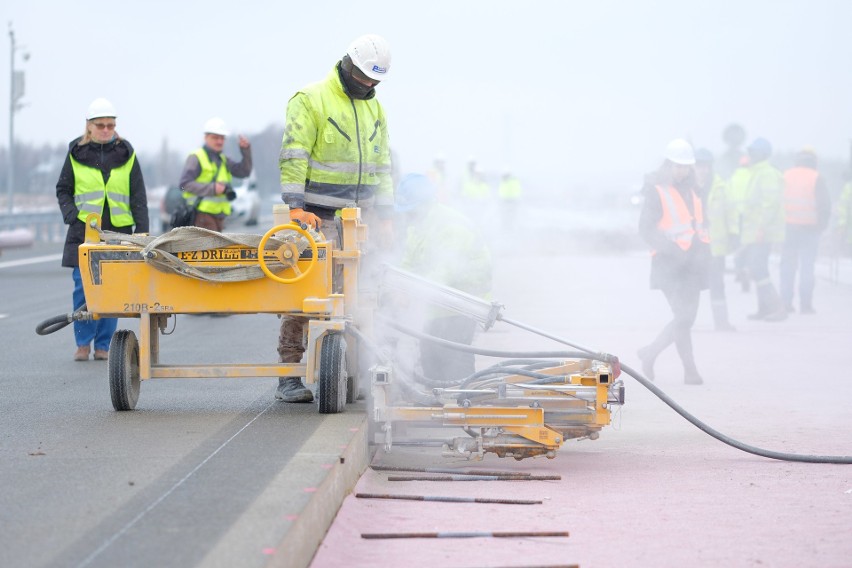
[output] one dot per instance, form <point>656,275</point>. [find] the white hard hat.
<point>100,108</point>
<point>371,54</point>
<point>216,126</point>
<point>680,151</point>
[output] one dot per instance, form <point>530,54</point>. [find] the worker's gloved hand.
<point>230,193</point>
<point>305,217</point>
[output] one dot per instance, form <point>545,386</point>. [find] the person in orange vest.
<point>672,223</point>
<point>807,210</point>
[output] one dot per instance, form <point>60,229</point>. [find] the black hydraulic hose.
<point>783,456</point>
<point>544,334</point>
<point>55,323</point>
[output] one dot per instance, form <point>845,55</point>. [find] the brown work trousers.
<point>294,329</point>
<point>208,221</point>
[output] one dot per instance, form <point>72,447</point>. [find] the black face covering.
<point>353,88</point>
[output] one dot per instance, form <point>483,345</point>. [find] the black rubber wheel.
<point>332,388</point>
<point>352,386</point>
<point>123,368</point>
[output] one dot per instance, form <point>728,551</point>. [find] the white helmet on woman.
<point>100,108</point>
<point>371,54</point>
<point>680,151</point>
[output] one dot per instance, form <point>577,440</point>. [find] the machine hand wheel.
<point>287,253</point>
<point>331,390</point>
<point>123,370</point>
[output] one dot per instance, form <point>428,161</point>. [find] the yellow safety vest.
<point>509,189</point>
<point>216,204</point>
<point>335,149</point>
<point>90,191</point>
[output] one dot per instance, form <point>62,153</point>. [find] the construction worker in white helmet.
<point>335,153</point>
<point>672,223</point>
<point>207,174</point>
<point>100,175</point>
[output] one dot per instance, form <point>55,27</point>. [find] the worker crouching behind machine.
<point>441,245</point>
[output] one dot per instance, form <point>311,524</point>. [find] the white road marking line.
<point>25,261</point>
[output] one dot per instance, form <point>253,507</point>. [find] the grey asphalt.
<point>210,472</point>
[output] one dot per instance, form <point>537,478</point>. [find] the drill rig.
<point>526,405</point>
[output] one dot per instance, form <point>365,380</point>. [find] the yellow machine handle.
<point>299,274</point>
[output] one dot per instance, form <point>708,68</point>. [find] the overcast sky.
<point>556,90</point>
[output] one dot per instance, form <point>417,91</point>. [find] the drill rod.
<point>509,534</point>
<point>443,470</point>
<point>449,499</point>
<point>477,478</point>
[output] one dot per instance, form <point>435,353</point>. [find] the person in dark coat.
<point>100,175</point>
<point>672,223</point>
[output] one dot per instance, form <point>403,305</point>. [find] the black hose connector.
<point>55,323</point>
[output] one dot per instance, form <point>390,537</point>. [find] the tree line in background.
<point>37,167</point>
<point>37,170</point>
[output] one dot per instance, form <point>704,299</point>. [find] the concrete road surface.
<point>653,490</point>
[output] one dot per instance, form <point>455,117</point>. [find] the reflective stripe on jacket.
<point>335,149</point>
<point>90,191</point>
<point>800,204</point>
<point>214,204</point>
<point>677,223</point>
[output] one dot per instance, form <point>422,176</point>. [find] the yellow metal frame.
<point>518,424</point>
<point>119,283</point>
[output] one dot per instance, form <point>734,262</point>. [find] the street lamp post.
<point>16,92</point>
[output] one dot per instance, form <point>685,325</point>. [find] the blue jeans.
<point>86,331</point>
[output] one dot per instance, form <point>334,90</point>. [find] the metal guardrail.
<point>46,226</point>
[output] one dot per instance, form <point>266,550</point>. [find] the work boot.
<point>691,377</point>
<point>647,359</point>
<point>291,389</point>
<point>720,317</point>
<point>101,355</point>
<point>82,353</point>
<point>776,315</point>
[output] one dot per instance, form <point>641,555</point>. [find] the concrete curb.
<point>300,543</point>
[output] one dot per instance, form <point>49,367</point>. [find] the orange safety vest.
<point>677,223</point>
<point>800,196</point>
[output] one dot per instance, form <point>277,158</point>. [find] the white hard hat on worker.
<point>371,54</point>
<point>100,108</point>
<point>679,151</point>
<point>216,126</point>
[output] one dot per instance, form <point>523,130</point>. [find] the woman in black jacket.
<point>672,223</point>
<point>100,175</point>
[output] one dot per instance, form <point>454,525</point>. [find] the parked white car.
<point>246,207</point>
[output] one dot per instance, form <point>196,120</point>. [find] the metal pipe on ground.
<point>441,499</point>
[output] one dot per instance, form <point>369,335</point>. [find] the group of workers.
<point>476,194</point>
<point>335,153</point>
<point>693,219</point>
